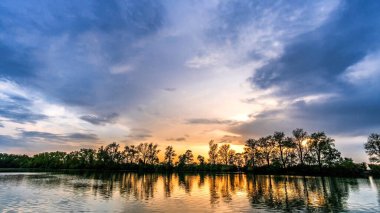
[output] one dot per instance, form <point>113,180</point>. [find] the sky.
<point>84,74</point>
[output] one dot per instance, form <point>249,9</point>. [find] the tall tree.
<point>267,146</point>
<point>223,153</point>
<point>289,152</point>
<point>213,152</point>
<point>148,153</point>
<point>251,151</point>
<point>186,158</point>
<point>372,147</point>
<point>300,137</point>
<point>239,160</point>
<point>322,148</point>
<point>201,160</point>
<point>231,157</point>
<point>87,157</point>
<point>169,155</point>
<point>279,139</point>
<point>131,154</point>
<point>113,155</point>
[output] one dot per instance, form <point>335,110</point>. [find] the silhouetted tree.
<point>289,152</point>
<point>148,153</point>
<point>213,152</point>
<point>87,157</point>
<point>186,158</point>
<point>201,159</point>
<point>169,155</point>
<point>131,154</point>
<point>300,137</point>
<point>267,146</point>
<point>251,152</point>
<point>231,157</point>
<point>14,161</point>
<point>114,156</point>
<point>223,154</point>
<point>372,147</point>
<point>51,160</point>
<point>281,143</point>
<point>239,160</point>
<point>322,149</point>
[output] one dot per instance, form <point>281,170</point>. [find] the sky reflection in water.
<point>132,192</point>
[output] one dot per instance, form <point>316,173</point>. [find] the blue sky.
<point>83,74</point>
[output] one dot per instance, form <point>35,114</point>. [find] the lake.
<point>133,192</point>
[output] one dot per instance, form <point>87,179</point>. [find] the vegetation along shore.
<point>300,154</point>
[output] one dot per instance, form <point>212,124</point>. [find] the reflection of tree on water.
<point>168,184</point>
<point>214,196</point>
<point>225,186</point>
<point>376,184</point>
<point>129,185</point>
<point>290,193</point>
<point>285,193</point>
<point>201,181</point>
<point>140,186</point>
<point>185,182</point>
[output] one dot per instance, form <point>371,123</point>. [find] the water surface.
<point>132,192</point>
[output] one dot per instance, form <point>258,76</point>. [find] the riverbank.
<point>357,171</point>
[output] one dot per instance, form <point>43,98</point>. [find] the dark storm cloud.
<point>98,120</point>
<point>314,62</point>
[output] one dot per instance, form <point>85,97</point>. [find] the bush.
<point>375,169</point>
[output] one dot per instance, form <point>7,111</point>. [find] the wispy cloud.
<point>176,139</point>
<point>211,121</point>
<point>47,136</point>
<point>100,120</point>
<point>16,108</point>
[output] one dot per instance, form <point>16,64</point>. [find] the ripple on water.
<point>131,192</point>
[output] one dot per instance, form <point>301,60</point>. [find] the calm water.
<point>131,192</point>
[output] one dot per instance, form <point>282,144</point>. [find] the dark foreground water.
<point>131,192</point>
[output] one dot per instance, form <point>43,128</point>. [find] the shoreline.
<point>207,172</point>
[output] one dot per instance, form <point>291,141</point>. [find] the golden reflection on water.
<point>187,192</point>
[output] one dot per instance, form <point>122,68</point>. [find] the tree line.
<point>299,153</point>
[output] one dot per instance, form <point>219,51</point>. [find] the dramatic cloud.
<point>326,61</point>
<point>16,108</point>
<point>84,73</point>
